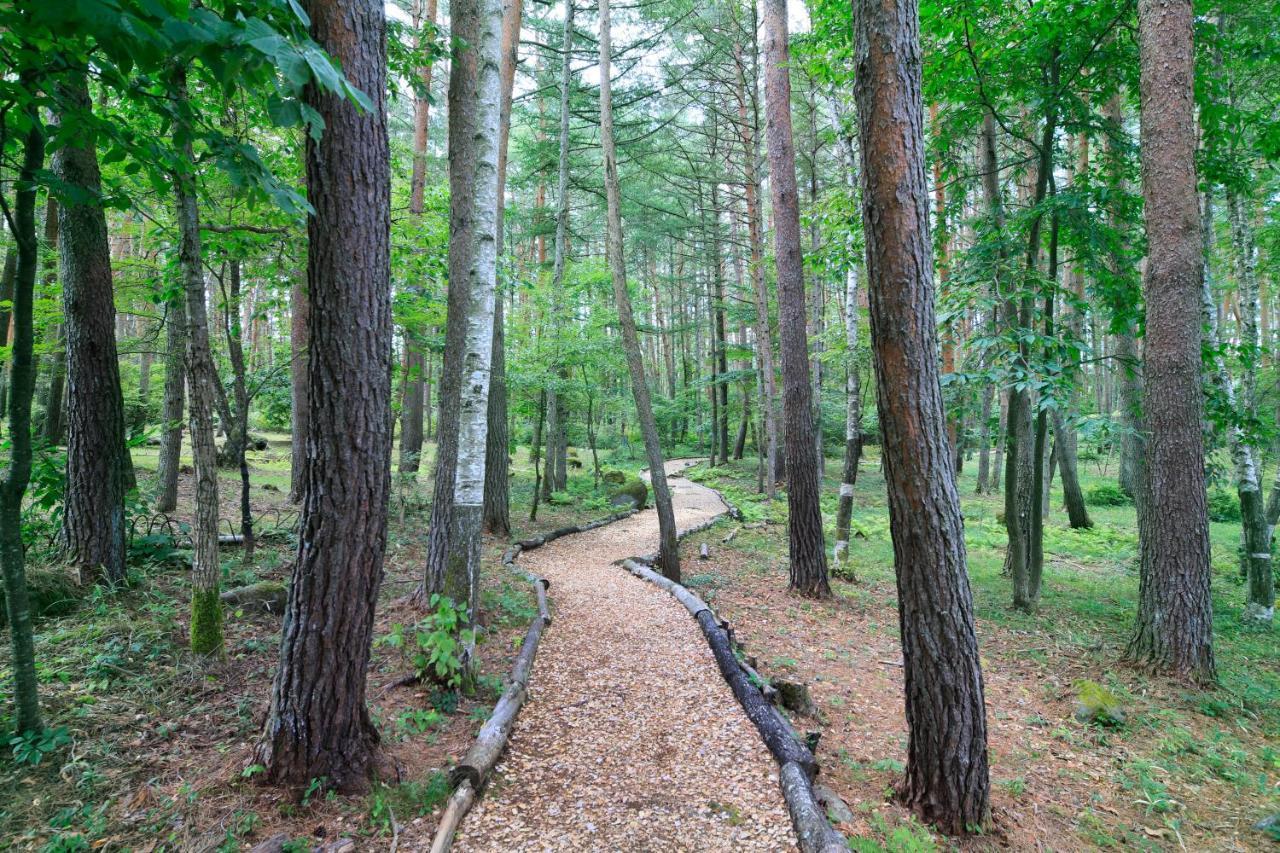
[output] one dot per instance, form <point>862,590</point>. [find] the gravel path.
<point>630,739</point>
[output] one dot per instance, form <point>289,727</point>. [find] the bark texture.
<point>299,331</point>
<point>668,548</point>
<point>318,724</point>
<point>947,781</point>
<point>807,551</point>
<point>1174,631</point>
<point>93,528</point>
<point>175,379</point>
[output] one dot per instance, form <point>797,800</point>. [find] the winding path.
<point>630,739</point>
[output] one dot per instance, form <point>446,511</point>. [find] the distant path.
<point>630,740</point>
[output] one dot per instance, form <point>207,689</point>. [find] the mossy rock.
<point>269,596</point>
<point>632,492</point>
<point>1098,705</point>
<point>614,478</point>
<point>51,591</point>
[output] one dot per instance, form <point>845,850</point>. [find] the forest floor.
<point>1188,769</point>
<point>160,743</point>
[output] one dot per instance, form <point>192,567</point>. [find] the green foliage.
<point>1107,494</point>
<point>51,592</point>
<point>434,647</point>
<point>1098,705</point>
<point>1223,506</point>
<point>30,748</point>
<point>406,801</point>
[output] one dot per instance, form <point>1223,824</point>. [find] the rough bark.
<point>318,725</point>
<point>22,222</point>
<point>202,381</point>
<point>175,379</point>
<point>668,550</point>
<point>1174,631</point>
<point>93,527</point>
<point>947,781</point>
<point>808,556</point>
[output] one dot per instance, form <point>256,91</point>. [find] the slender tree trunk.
<point>807,552</point>
<point>175,379</point>
<point>202,379</point>
<point>668,550</point>
<point>235,353</point>
<point>93,528</point>
<point>22,375</point>
<point>535,452</point>
<point>748,122</point>
<point>414,404</point>
<point>318,726</point>
<point>852,384</point>
<point>53,402</point>
<point>453,560</point>
<point>1174,631</point>
<point>497,490</point>
<point>299,332</point>
<point>947,781</point>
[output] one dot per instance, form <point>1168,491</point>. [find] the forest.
<point>545,424</point>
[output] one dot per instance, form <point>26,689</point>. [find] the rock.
<point>614,478</point>
<point>633,492</point>
<point>274,844</point>
<point>837,810</point>
<point>269,596</point>
<point>795,697</point>
<point>342,845</point>
<point>1270,826</point>
<point>1097,705</point>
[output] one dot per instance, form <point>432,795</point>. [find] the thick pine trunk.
<point>22,376</point>
<point>668,549</point>
<point>93,527</point>
<point>1174,631</point>
<point>808,556</point>
<point>947,781</point>
<point>202,381</point>
<point>175,379</point>
<point>318,725</point>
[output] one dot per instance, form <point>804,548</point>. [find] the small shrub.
<point>435,647</point>
<point>32,747</point>
<point>1107,494</point>
<point>1223,506</point>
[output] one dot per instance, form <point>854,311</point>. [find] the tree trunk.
<point>852,384</point>
<point>474,100</point>
<point>807,552</point>
<point>22,375</point>
<point>497,491</point>
<point>93,527</point>
<point>299,331</point>
<point>535,451</point>
<point>53,402</point>
<point>235,353</point>
<point>748,122</point>
<point>668,549</point>
<point>318,725</point>
<point>1174,631</point>
<point>202,378</point>
<point>175,379</point>
<point>1064,442</point>
<point>947,781</point>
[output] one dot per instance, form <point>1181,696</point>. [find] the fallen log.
<point>690,601</point>
<point>814,832</point>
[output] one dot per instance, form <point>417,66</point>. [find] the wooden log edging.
<point>798,767</point>
<point>468,777</point>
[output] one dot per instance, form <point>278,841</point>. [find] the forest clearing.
<point>748,425</point>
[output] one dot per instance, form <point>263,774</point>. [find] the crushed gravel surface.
<point>630,739</point>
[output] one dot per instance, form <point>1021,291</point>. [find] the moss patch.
<point>206,622</point>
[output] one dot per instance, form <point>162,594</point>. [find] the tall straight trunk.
<point>553,444</point>
<point>852,383</point>
<point>1174,630</point>
<point>22,376</point>
<point>943,242</point>
<point>453,558</point>
<point>93,528</point>
<point>721,367</point>
<point>535,451</point>
<point>240,388</point>
<point>318,726</point>
<point>6,316</point>
<point>947,781</point>
<point>497,488</point>
<point>668,549</point>
<point>299,332</point>
<point>748,123</point>
<point>175,379</point>
<point>1064,433</point>
<point>413,406</point>
<point>807,551</point>
<point>202,379</point>
<point>1255,557</point>
<point>53,427</point>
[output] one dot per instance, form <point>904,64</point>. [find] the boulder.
<point>614,478</point>
<point>632,492</point>
<point>268,596</point>
<point>1098,706</point>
